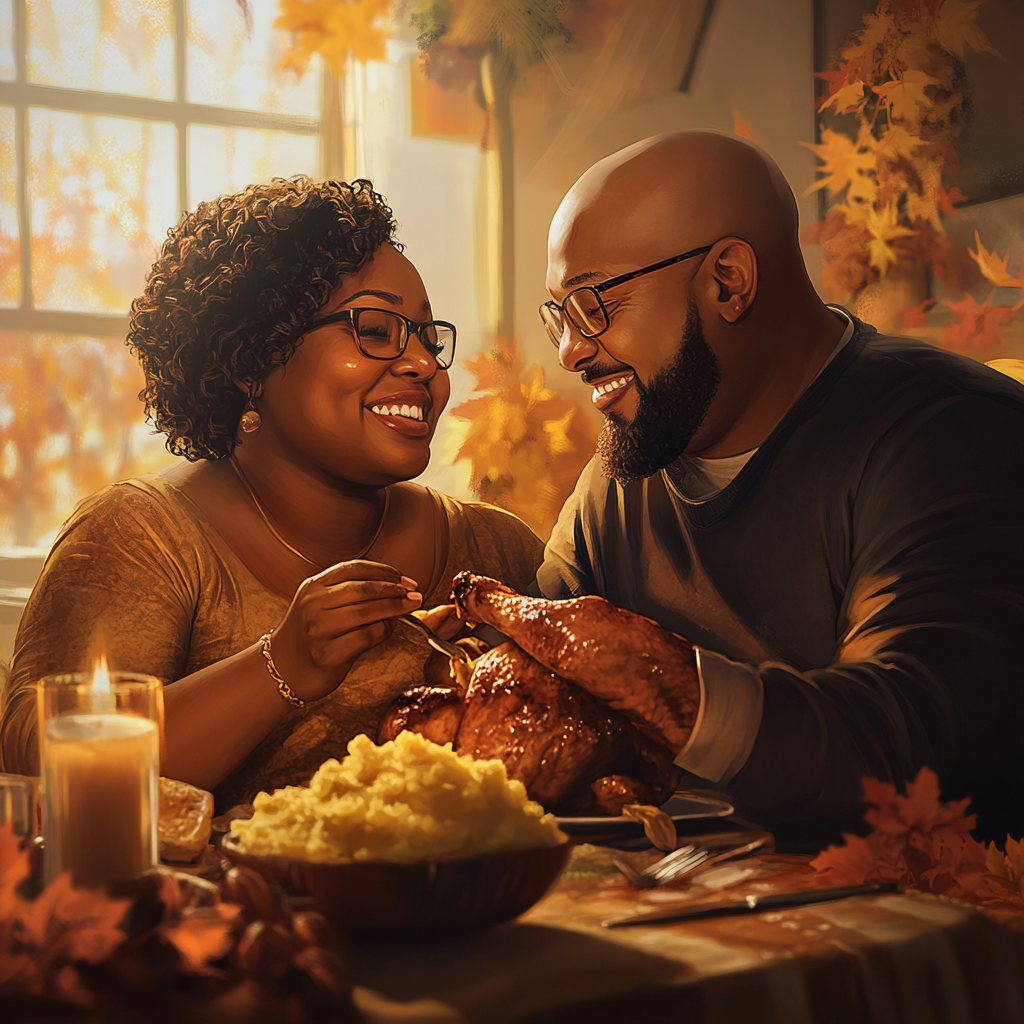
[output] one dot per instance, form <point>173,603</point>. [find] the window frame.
<point>180,112</point>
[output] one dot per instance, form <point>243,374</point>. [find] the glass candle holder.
<point>99,739</point>
<point>18,805</point>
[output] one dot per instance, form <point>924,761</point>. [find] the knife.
<point>751,905</point>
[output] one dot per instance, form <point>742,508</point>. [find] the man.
<point>832,518</point>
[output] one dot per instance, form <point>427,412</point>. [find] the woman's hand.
<point>335,617</point>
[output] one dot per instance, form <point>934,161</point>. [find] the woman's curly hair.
<point>228,298</point>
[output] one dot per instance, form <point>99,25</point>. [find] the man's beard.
<point>669,410</point>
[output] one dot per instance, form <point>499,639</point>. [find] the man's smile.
<point>609,390</point>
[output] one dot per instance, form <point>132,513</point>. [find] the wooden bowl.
<point>412,902</point>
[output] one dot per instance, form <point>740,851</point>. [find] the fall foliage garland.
<point>900,79</point>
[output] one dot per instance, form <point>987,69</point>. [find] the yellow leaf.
<point>741,126</point>
<point>334,29</point>
<point>906,96</point>
<point>884,226</point>
<point>993,267</point>
<point>924,204</point>
<point>845,162</point>
<point>850,97</point>
<point>956,28</point>
<point>896,142</point>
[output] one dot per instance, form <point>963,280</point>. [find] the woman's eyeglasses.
<point>383,334</point>
<point>583,307</point>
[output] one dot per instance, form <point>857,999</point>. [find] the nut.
<point>249,888</point>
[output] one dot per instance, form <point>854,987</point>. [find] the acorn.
<point>249,889</point>
<point>266,950</point>
<point>327,971</point>
<point>313,929</point>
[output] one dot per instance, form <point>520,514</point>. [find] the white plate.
<point>681,807</point>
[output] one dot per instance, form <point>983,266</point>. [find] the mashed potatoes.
<point>407,800</point>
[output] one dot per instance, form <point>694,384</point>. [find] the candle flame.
<point>100,676</point>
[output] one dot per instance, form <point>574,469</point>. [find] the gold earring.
<point>251,420</point>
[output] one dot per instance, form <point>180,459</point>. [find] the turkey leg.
<point>628,661</point>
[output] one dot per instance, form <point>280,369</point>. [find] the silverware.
<point>750,905</point>
<point>678,862</point>
<point>444,646</point>
<point>681,862</point>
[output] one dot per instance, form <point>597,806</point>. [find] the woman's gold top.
<point>139,573</point>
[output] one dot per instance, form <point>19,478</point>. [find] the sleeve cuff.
<point>731,706</point>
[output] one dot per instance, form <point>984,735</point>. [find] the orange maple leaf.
<point>993,266</point>
<point>846,162</point>
<point>915,840</point>
<point>73,924</point>
<point>858,862</point>
<point>956,28</point>
<point>976,325</point>
<point>906,97</point>
<point>334,30</point>
<point>846,98</point>
<point>920,810</point>
<point>526,443</point>
<point>204,934</point>
<point>915,316</point>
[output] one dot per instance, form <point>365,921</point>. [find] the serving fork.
<point>444,646</point>
<point>681,862</point>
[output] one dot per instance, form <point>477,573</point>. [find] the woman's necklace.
<point>295,551</point>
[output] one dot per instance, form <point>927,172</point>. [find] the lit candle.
<point>100,780</point>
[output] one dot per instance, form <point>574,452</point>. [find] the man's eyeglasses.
<point>583,307</point>
<point>383,334</point>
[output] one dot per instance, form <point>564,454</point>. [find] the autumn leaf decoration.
<point>888,177</point>
<point>526,444</point>
<point>922,843</point>
<point>49,945</point>
<point>335,29</point>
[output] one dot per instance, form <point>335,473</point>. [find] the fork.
<point>444,646</point>
<point>681,862</point>
<point>677,863</point>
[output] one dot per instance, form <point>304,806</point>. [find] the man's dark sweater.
<point>869,561</point>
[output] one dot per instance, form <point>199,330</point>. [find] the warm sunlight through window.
<point>114,117</point>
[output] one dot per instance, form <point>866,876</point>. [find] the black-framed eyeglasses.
<point>583,307</point>
<point>384,334</point>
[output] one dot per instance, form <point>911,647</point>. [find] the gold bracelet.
<point>282,687</point>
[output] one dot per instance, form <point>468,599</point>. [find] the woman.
<point>291,356</point>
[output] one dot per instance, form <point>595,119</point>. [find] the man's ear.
<point>733,266</point>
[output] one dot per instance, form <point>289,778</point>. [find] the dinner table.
<point>899,956</point>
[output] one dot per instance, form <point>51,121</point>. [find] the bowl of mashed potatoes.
<point>405,840</point>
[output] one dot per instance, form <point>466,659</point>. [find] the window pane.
<point>232,65</point>
<point>70,422</point>
<point>114,46</point>
<point>6,40</point>
<point>102,192</point>
<point>223,160</point>
<point>10,269</point>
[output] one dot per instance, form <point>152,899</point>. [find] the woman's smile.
<point>405,412</point>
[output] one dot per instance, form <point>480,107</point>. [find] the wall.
<point>756,59</point>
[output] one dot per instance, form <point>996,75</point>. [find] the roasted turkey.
<point>587,704</point>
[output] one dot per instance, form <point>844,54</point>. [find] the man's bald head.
<point>668,194</point>
<point>702,355</point>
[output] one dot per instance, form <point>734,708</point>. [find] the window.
<point>115,115</point>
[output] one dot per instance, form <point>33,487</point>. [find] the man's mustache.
<point>598,370</point>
